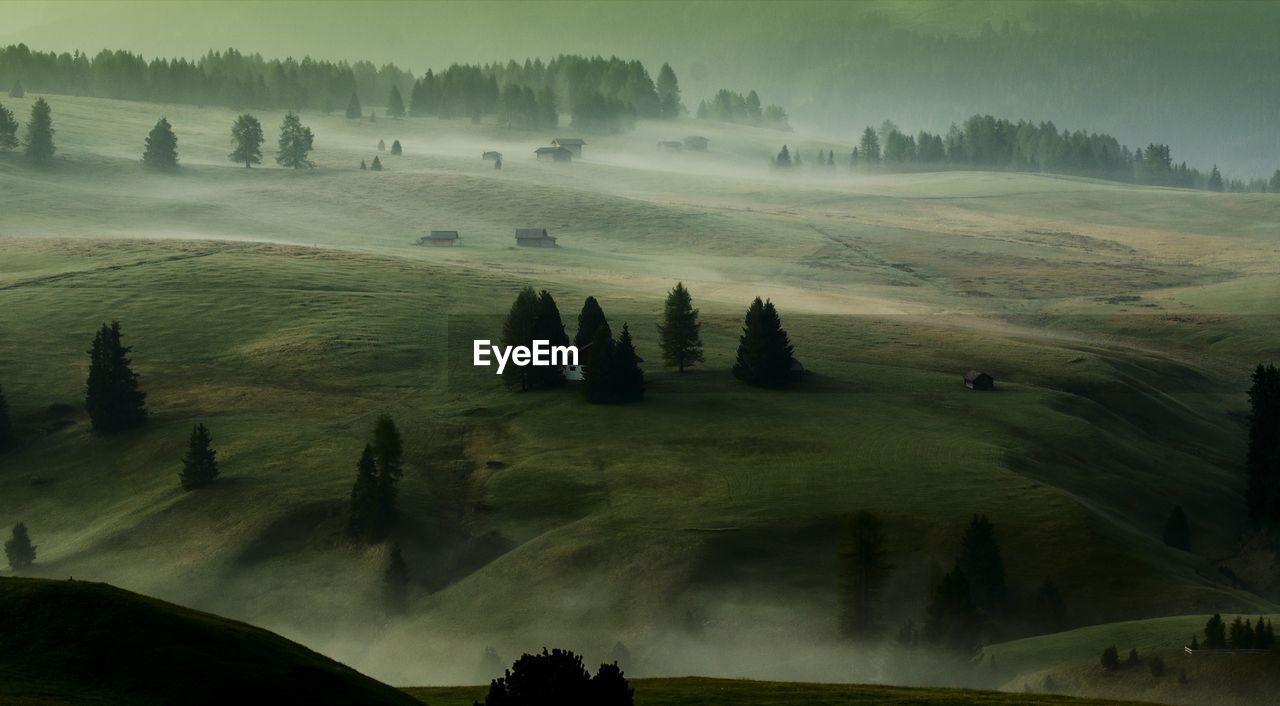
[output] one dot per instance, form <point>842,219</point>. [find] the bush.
<point>1133,658</point>
<point>558,677</point>
<point>1110,659</point>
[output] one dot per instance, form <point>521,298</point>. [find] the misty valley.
<point>626,365</point>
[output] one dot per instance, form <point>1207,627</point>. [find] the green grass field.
<point>286,310</point>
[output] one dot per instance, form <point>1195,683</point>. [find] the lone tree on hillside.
<point>590,319</point>
<point>295,143</point>
<point>200,465</point>
<point>1263,460</point>
<point>395,582</point>
<point>39,138</point>
<point>783,159</point>
<point>19,550</point>
<point>354,111</point>
<point>7,439</point>
<point>982,564</point>
<point>680,330</point>
<point>373,497</point>
<point>363,166</point>
<point>246,141</point>
<point>161,151</point>
<point>112,396</point>
<point>559,677</point>
<point>764,351</point>
<point>863,566</point>
<point>376,165</point>
<point>382,146</point>
<point>1177,530</point>
<point>8,129</point>
<point>17,90</point>
<point>396,149</point>
<point>395,103</point>
<point>1110,659</point>
<point>364,524</point>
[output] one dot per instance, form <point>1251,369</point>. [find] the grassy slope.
<point>88,643</point>
<point>890,285</point>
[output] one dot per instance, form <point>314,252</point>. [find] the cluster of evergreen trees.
<point>733,107</point>
<point>609,93</point>
<point>373,496</point>
<point>1240,635</point>
<point>559,677</point>
<point>986,142</point>
<point>37,141</point>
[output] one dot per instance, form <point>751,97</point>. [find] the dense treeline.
<point>603,94</point>
<point>732,107</point>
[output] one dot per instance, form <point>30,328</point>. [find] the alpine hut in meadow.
<point>534,238</point>
<point>671,145</point>
<point>492,156</point>
<point>573,144</point>
<point>696,143</point>
<point>978,380</point>
<point>439,237</point>
<point>553,154</point>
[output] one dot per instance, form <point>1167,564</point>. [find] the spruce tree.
<point>388,452</point>
<point>597,372</point>
<point>547,326</point>
<point>863,567</point>
<point>1215,633</point>
<point>246,141</point>
<point>19,550</point>
<point>396,149</point>
<point>1177,531</point>
<point>395,582</point>
<point>783,159</point>
<point>363,166</point>
<point>363,523</point>
<point>680,332</point>
<point>952,620</point>
<point>1110,659</point>
<point>1275,182</point>
<point>668,87</point>
<point>1215,179</point>
<point>112,396</point>
<point>982,564</point>
<point>200,465</point>
<point>869,147</point>
<point>517,330</point>
<point>1263,459</point>
<point>354,111</point>
<point>8,440</point>
<point>17,90</point>
<point>395,103</point>
<point>8,129</point>
<point>296,141</point>
<point>589,319</point>
<point>161,151</point>
<point>627,377</point>
<point>764,351</point>
<point>382,146</point>
<point>376,165</point>
<point>39,138</point>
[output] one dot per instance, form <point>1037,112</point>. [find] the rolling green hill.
<point>286,310</point>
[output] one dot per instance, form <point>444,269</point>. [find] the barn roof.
<point>550,150</point>
<point>573,141</point>
<point>522,233</point>
<point>974,375</point>
<point>443,234</point>
<point>696,137</point>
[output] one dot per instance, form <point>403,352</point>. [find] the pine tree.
<point>952,620</point>
<point>19,550</point>
<point>161,151</point>
<point>668,87</point>
<point>376,165</point>
<point>863,566</point>
<point>388,452</point>
<point>680,332</point>
<point>1240,635</point>
<point>1275,182</point>
<point>627,377</point>
<point>764,351</point>
<point>1215,633</point>
<point>1215,179</point>
<point>982,564</point>
<point>547,326</point>
<point>354,111</point>
<point>17,90</point>
<point>382,146</point>
<point>363,523</point>
<point>8,441</point>
<point>112,396</point>
<point>363,166</point>
<point>517,330</point>
<point>1177,531</point>
<point>395,582</point>
<point>8,129</point>
<point>295,143</point>
<point>591,318</point>
<point>869,147</point>
<point>246,141</point>
<point>200,465</point>
<point>39,138</point>
<point>597,372</point>
<point>396,149</point>
<point>1263,459</point>
<point>395,103</point>
<point>1110,659</point>
<point>783,159</point>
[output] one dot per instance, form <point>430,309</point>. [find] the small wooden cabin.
<point>491,156</point>
<point>534,238</point>
<point>696,143</point>
<point>573,144</point>
<point>978,380</point>
<point>439,237</point>
<point>554,154</point>
<point>671,145</point>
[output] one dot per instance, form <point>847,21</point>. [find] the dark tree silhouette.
<point>161,150</point>
<point>382,146</point>
<point>246,141</point>
<point>783,159</point>
<point>354,111</point>
<point>547,326</point>
<point>1177,530</point>
<point>1215,179</point>
<point>395,582</point>
<point>1215,633</point>
<point>869,147</point>
<point>627,377</point>
<point>591,318</point>
<point>517,330</point>
<point>668,87</point>
<point>19,550</point>
<point>8,440</point>
<point>396,149</point>
<point>296,141</point>
<point>388,451</point>
<point>17,91</point>
<point>1110,659</point>
<point>597,372</point>
<point>363,166</point>
<point>200,465</point>
<point>982,564</point>
<point>39,138</point>
<point>112,396</point>
<point>863,566</point>
<point>952,620</point>
<point>377,164</point>
<point>764,351</point>
<point>365,523</point>
<point>8,129</point>
<point>558,678</point>
<point>680,331</point>
<point>395,103</point>
<point>1263,459</point>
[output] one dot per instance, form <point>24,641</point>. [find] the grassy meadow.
<point>286,310</point>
